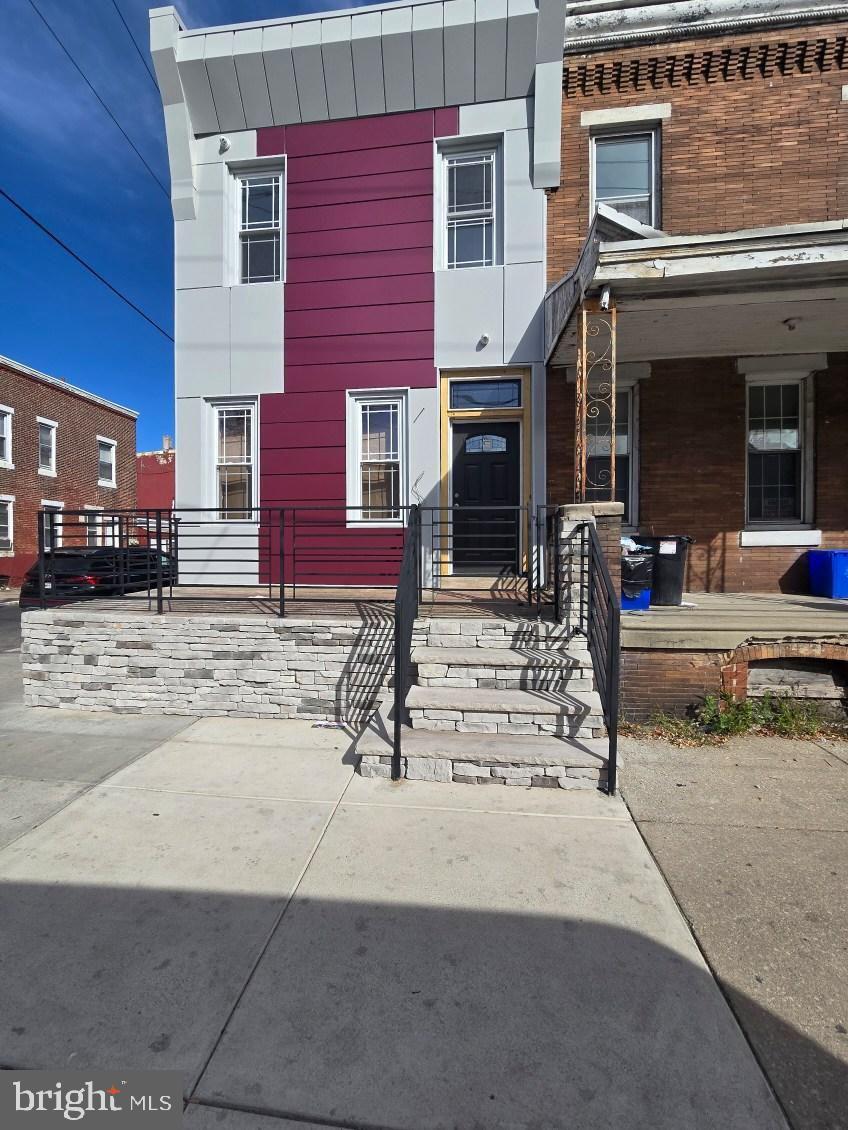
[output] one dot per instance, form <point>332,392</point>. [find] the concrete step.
<point>492,759</point>
<point>503,668</point>
<point>574,714</point>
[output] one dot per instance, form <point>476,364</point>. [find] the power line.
<point>83,263</point>
<point>99,99</point>
<point>135,44</point>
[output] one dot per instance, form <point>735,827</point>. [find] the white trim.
<point>113,482</point>
<point>56,506</point>
<point>755,537</point>
<point>8,464</point>
<point>647,129</point>
<point>48,472</point>
<point>621,115</point>
<point>354,399</point>
<point>10,499</point>
<point>789,365</point>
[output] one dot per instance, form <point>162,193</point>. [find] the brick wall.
<point>671,681</point>
<point>692,467</point>
<point>79,421</point>
<point>756,137</point>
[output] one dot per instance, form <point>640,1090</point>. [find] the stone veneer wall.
<point>244,666</point>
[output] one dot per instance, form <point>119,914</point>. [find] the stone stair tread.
<point>550,659</point>
<point>573,753</point>
<point>482,700</point>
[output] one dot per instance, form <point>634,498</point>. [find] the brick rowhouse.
<point>80,418</point>
<point>754,139</point>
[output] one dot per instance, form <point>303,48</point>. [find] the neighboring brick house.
<point>60,448</point>
<point>155,477</point>
<point>712,138</point>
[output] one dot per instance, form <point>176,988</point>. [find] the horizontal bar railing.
<point>276,554</point>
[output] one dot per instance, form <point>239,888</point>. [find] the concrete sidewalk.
<point>752,837</point>
<point>304,943</point>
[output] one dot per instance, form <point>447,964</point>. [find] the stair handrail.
<point>407,596</point>
<point>603,632</point>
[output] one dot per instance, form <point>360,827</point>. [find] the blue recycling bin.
<point>828,572</point>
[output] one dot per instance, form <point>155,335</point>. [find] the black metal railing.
<point>407,597</point>
<point>603,626</point>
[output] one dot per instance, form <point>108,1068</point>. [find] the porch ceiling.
<point>731,324</point>
<point>767,291</point>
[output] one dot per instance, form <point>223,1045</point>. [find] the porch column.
<point>595,403</point>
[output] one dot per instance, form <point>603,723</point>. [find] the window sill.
<point>796,537</point>
<point>47,474</point>
<point>109,486</point>
<point>375,524</point>
<point>4,466</point>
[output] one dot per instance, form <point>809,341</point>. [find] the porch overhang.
<point>753,292</point>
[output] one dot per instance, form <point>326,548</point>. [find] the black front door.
<point>486,482</point>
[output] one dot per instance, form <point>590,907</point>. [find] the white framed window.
<point>93,526</point>
<point>779,477</point>
<point>6,420</point>
<point>7,523</point>
<point>235,459</point>
<point>52,523</point>
<point>471,200</point>
<point>106,462</point>
<point>377,457</point>
<point>625,173</point>
<point>260,226</point>
<point>46,446</point>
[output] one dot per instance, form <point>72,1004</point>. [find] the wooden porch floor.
<point>719,620</point>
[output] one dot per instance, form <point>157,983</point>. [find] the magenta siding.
<point>359,312</point>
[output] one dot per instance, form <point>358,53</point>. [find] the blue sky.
<point>68,164</point>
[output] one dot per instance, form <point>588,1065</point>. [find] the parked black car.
<point>75,573</point>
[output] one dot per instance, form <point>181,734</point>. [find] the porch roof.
<point>757,291</point>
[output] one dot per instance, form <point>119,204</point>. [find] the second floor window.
<point>6,415</point>
<point>625,174</point>
<point>47,447</point>
<point>234,460</point>
<point>260,227</point>
<point>105,462</point>
<point>470,204</point>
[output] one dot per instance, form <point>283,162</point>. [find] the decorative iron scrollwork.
<point>594,441</point>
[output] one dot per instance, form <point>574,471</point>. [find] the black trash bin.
<point>669,555</point>
<point>636,572</point>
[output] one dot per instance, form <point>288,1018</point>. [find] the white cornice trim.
<point>57,382</point>
<point>595,26</point>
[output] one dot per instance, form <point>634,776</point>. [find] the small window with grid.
<point>234,460</point>
<point>776,452</point>
<point>380,459</point>
<point>260,227</point>
<point>470,209</point>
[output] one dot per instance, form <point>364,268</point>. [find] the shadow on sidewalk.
<point>388,1014</point>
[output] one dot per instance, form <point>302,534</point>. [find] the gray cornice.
<point>591,25</point>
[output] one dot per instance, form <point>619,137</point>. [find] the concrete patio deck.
<point>710,620</point>
<point>307,944</point>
